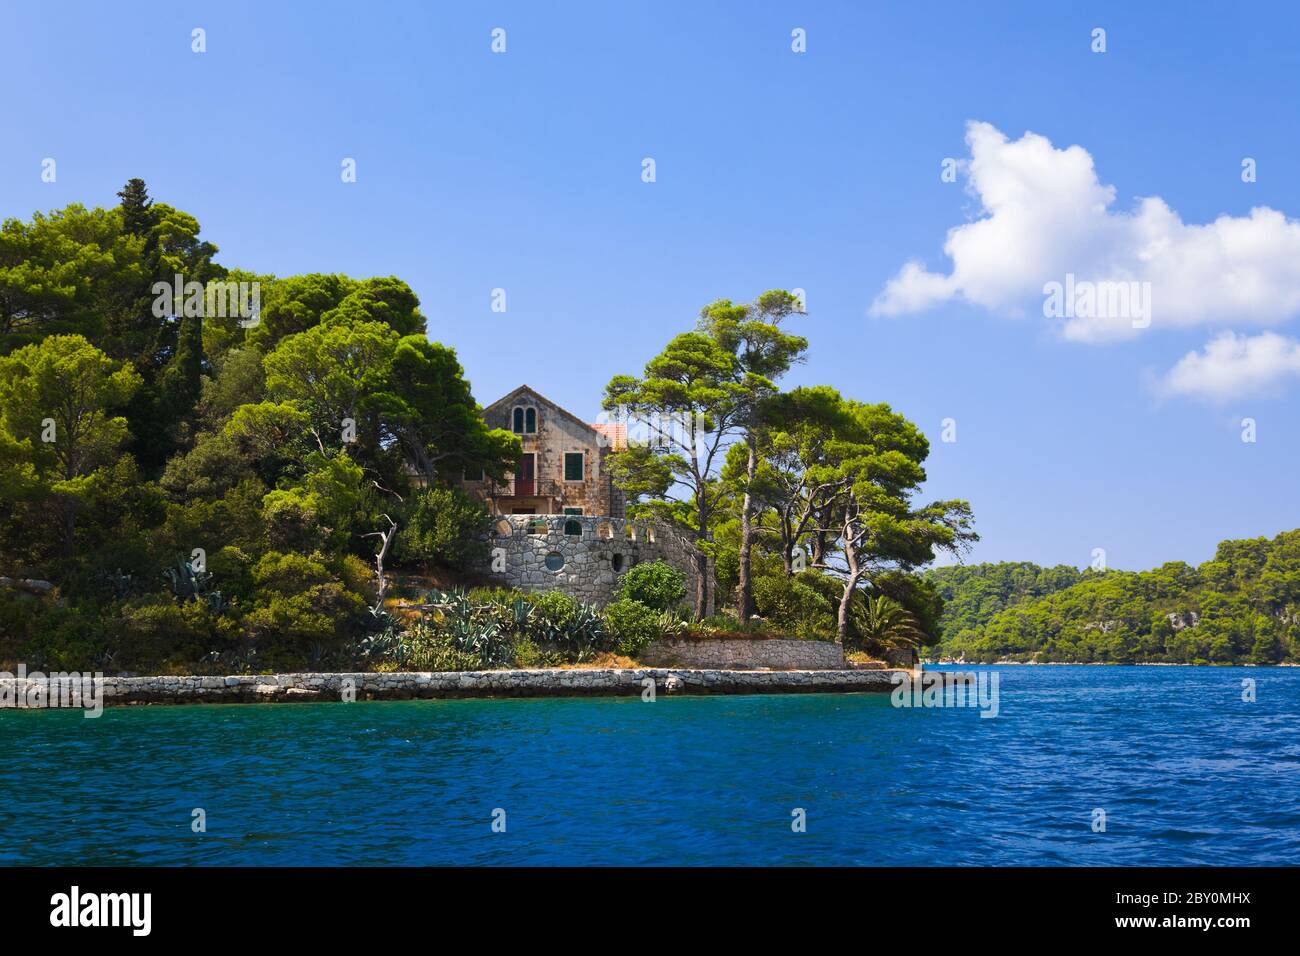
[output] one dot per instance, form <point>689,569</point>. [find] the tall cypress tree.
<point>137,208</point>
<point>135,333</point>
<point>132,328</point>
<point>167,350</point>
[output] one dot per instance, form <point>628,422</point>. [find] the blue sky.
<point>819,171</point>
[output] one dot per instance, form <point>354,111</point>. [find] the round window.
<point>554,561</point>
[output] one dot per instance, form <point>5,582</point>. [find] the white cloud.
<point>1233,366</point>
<point>1045,215</point>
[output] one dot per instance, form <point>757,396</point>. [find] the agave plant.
<point>186,581</point>
<point>583,632</point>
<point>383,647</point>
<point>471,628</point>
<point>120,584</point>
<point>521,613</point>
<point>587,629</point>
<point>482,638</point>
<point>672,626</point>
<point>241,660</point>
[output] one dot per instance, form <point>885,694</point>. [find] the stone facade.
<point>583,556</point>
<point>563,463</point>
<point>560,523</point>
<point>746,654</point>
<point>578,682</point>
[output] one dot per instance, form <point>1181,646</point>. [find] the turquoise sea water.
<point>1186,772</point>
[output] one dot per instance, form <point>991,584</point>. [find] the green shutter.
<point>573,466</point>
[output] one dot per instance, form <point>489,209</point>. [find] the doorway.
<point>524,475</point>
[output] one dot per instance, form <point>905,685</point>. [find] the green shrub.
<point>298,604</point>
<point>725,550</point>
<point>881,624</point>
<point>793,606</point>
<point>526,653</point>
<point>553,611</point>
<point>231,570</point>
<point>428,649</point>
<point>49,636</point>
<point>444,526</point>
<point>632,626</point>
<point>656,584</point>
<point>495,595</point>
<point>154,631</point>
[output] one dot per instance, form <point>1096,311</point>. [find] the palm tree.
<point>882,620</point>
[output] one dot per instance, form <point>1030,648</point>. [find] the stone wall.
<point>746,654</point>
<point>504,683</point>
<point>583,556</point>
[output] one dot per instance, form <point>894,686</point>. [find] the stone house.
<point>559,522</point>
<point>562,469</point>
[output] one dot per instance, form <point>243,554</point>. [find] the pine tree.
<point>133,330</point>
<point>137,208</point>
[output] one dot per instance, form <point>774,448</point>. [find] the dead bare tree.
<point>385,542</point>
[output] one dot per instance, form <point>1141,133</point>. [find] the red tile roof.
<point>615,433</point>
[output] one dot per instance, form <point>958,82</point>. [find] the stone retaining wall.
<point>504,683</point>
<point>746,654</point>
<point>583,555</point>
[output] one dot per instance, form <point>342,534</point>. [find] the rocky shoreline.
<point>572,682</point>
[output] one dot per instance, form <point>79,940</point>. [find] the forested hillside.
<point>205,469</point>
<point>973,593</point>
<point>1242,606</point>
<point>208,480</point>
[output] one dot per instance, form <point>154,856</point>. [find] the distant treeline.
<point>1241,607</point>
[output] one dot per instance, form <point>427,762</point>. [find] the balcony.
<point>524,488</point>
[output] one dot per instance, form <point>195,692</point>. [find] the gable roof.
<point>511,397</point>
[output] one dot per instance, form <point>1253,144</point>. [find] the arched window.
<point>573,527</point>
<point>523,421</point>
